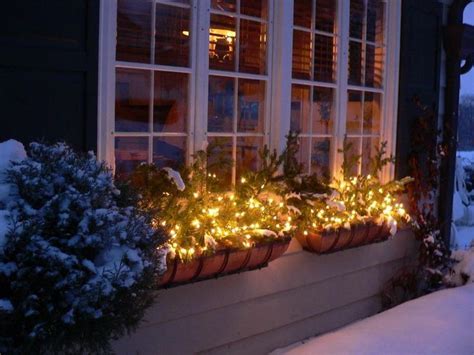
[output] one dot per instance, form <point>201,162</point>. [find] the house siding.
<point>295,297</point>
<point>48,71</point>
<point>420,66</point>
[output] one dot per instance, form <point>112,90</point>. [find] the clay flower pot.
<point>329,241</point>
<point>223,262</point>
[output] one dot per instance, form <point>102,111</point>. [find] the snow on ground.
<point>439,323</point>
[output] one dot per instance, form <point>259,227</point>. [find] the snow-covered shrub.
<point>77,268</point>
<point>463,271</point>
<point>9,151</point>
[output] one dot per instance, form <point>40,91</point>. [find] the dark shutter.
<point>420,59</point>
<point>48,71</point>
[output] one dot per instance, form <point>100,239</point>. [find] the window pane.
<point>252,57</point>
<point>354,112</point>
<point>323,110</point>
<point>325,15</point>
<point>372,105</point>
<point>172,43</point>
<point>170,104</point>
<point>301,55</point>
<point>132,100</point>
<point>248,157</point>
<point>324,57</point>
<point>353,152</point>
<point>129,153</point>
<point>357,13</point>
<point>300,108</point>
<point>169,151</point>
<point>222,43</point>
<point>257,8</point>
<point>369,144</point>
<point>320,157</point>
<point>220,104</point>
<point>375,20</point>
<point>302,13</point>
<point>373,66</point>
<point>355,63</point>
<point>134,30</point>
<point>251,105</point>
<point>224,5</point>
<point>303,153</point>
<point>221,148</point>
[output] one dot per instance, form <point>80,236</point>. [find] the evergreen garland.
<point>201,218</point>
<point>348,199</point>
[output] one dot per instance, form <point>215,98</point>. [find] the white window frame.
<point>267,78</point>
<point>279,78</point>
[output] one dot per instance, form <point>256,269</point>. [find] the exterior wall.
<point>48,71</point>
<point>420,65</point>
<point>297,296</point>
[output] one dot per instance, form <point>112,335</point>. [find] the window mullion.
<point>390,80</point>
<point>282,51</point>
<point>201,62</point>
<point>192,84</point>
<point>235,114</point>
<point>342,77</point>
<point>152,83</point>
<point>106,97</point>
<point>269,83</point>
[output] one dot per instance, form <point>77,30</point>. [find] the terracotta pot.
<point>324,242</point>
<point>384,232</point>
<point>360,234</point>
<point>319,241</point>
<point>378,233</point>
<point>373,230</point>
<point>346,236</point>
<point>223,262</point>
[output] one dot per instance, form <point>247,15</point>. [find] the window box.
<point>329,241</point>
<point>223,262</point>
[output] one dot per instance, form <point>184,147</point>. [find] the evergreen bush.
<point>77,268</point>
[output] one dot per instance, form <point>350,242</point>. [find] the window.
<point>313,90</point>
<point>238,81</point>
<point>185,73</point>
<point>153,75</point>
<point>365,78</point>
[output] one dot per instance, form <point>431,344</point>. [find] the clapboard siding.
<point>299,287</point>
<point>279,276</point>
<point>309,327</point>
<point>420,64</point>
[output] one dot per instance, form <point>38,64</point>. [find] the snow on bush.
<point>76,268</point>
<point>9,151</point>
<point>463,271</point>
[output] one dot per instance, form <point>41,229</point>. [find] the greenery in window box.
<point>347,200</point>
<point>200,218</point>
